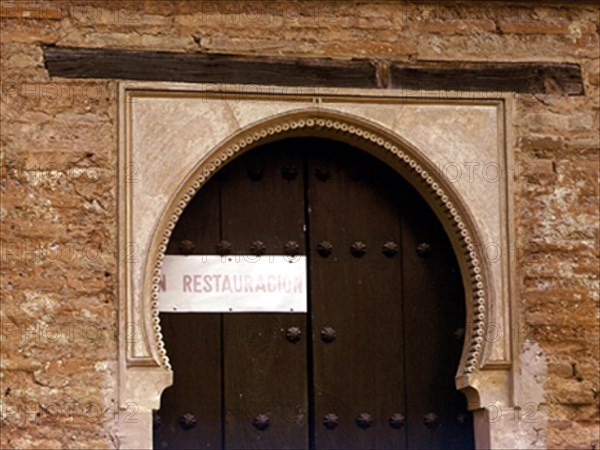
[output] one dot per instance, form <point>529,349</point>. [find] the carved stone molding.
<point>322,122</point>
<point>176,137</point>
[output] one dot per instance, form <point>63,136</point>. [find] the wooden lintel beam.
<point>534,77</point>
<point>201,68</point>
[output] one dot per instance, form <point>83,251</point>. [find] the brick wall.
<point>58,160</point>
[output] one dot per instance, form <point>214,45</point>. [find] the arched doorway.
<point>371,363</point>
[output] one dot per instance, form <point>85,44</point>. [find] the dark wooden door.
<point>374,365</point>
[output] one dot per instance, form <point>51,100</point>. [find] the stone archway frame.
<point>399,154</point>
<point>144,367</point>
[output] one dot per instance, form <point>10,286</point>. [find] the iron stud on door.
<point>397,421</point>
<point>289,172</point>
<point>364,420</point>
<point>331,421</point>
<point>291,248</point>
<point>358,249</point>
<point>328,335</point>
<point>324,248</point>
<point>223,248</point>
<point>293,334</point>
<point>261,422</point>
<point>187,421</point>
<point>431,420</point>
<point>258,248</point>
<point>423,249</point>
<point>186,247</point>
<point>390,249</point>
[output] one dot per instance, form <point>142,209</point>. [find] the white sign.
<point>233,283</point>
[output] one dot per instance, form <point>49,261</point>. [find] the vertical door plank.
<point>353,198</point>
<point>193,343</point>
<point>434,317</point>
<point>264,373</point>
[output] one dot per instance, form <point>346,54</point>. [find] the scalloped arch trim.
<point>416,169</point>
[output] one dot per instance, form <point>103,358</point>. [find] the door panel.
<point>193,342</point>
<point>265,379</point>
<point>434,325</point>
<point>265,375</point>
<point>357,295</point>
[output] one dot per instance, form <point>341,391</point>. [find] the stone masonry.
<point>59,181</point>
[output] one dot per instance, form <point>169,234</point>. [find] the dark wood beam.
<point>501,77</point>
<point>539,77</point>
<point>201,68</point>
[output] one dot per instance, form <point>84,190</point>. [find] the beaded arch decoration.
<point>330,125</point>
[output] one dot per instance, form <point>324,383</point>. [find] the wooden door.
<point>371,364</point>
<point>356,292</point>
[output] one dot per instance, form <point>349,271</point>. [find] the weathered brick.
<point>32,10</point>
<point>457,26</point>
<point>530,27</point>
<point>59,178</point>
